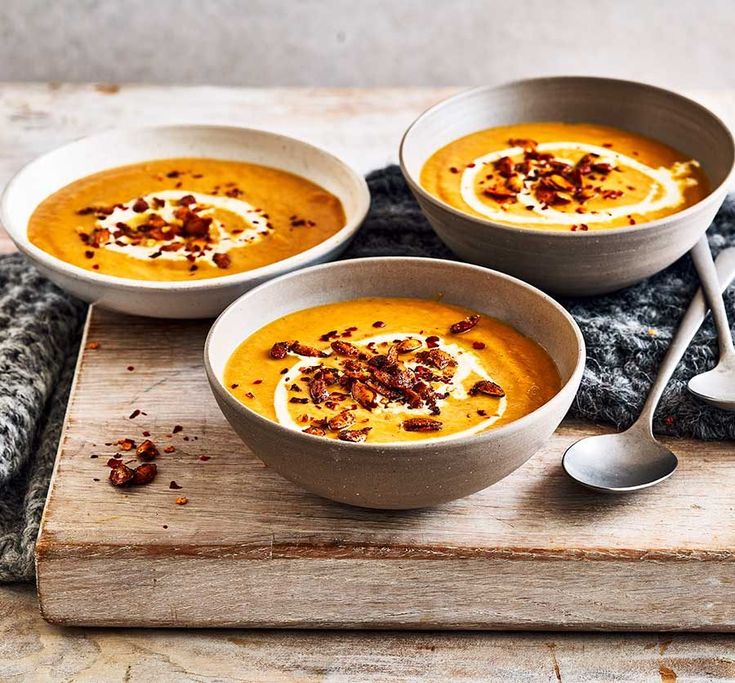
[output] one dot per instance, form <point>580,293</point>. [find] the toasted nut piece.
<point>383,389</point>
<point>304,350</point>
<point>121,475</point>
<point>354,435</point>
<point>488,388</point>
<point>280,350</point>
<point>422,424</point>
<point>363,394</point>
<point>314,431</point>
<point>527,144</point>
<point>504,166</point>
<point>222,260</point>
<point>602,168</point>
<point>147,450</point>
<point>413,398</point>
<point>126,444</point>
<point>391,358</point>
<point>145,473</point>
<point>583,195</point>
<point>408,345</point>
<point>341,420</point>
<point>318,390</point>
<point>559,182</point>
<point>182,500</point>
<point>465,325</point>
<point>344,348</point>
<point>436,358</point>
<point>514,183</point>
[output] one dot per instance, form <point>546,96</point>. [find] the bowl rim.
<point>412,447</point>
<point>19,234</point>
<point>715,194</point>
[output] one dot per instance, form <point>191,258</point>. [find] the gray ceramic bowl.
<point>408,475</point>
<point>573,263</point>
<point>176,299</point>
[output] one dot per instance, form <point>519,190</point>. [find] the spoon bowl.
<point>619,463</point>
<point>717,386</point>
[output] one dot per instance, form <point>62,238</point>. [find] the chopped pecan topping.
<point>121,475</point>
<point>140,205</point>
<point>422,424</point>
<point>145,473</point>
<point>408,345</point>
<point>504,166</point>
<point>465,325</point>
<point>147,450</point>
<point>344,348</point>
<point>222,260</point>
<point>318,390</point>
<point>280,350</point>
<point>488,388</point>
<point>314,431</point>
<point>527,144</point>
<point>435,358</point>
<point>363,394</point>
<point>354,435</point>
<point>341,420</point>
<point>304,350</point>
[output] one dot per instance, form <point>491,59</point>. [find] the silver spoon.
<point>717,386</point>
<point>633,459</point>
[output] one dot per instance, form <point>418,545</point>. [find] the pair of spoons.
<point>634,459</point>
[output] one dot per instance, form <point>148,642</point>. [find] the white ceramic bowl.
<point>565,262</point>
<point>190,299</point>
<point>417,473</point>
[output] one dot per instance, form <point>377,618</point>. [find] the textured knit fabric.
<point>40,327</point>
<point>627,334</point>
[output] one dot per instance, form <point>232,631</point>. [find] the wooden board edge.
<point>41,539</point>
<point>469,594</point>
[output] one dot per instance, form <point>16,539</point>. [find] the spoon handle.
<point>690,324</point>
<point>702,257</point>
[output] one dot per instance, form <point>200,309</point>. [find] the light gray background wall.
<point>679,43</point>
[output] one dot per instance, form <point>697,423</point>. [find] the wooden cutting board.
<point>251,549</point>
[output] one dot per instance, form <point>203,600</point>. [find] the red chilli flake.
<point>131,368</point>
<point>134,414</point>
<point>478,345</point>
<point>378,323</point>
<point>174,485</point>
<point>204,458</point>
<point>177,429</point>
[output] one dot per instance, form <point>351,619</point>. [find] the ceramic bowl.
<point>573,263</point>
<point>407,475</point>
<point>194,299</point>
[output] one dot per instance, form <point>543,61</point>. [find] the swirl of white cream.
<point>667,182</point>
<point>468,364</point>
<point>225,240</point>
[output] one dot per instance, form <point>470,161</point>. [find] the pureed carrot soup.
<point>563,176</point>
<point>184,219</point>
<point>389,370</point>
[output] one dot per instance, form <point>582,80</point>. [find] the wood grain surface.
<point>249,548</point>
<point>364,127</point>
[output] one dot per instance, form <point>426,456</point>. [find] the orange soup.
<point>390,370</point>
<point>563,176</point>
<point>184,219</point>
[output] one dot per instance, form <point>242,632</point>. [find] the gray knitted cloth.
<point>40,327</point>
